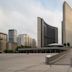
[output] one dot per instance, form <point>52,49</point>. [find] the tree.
<point>68,44</point>
<point>65,44</point>
<point>8,51</point>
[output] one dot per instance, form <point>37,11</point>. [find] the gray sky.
<point>22,15</point>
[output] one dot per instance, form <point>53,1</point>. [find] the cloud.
<point>23,17</point>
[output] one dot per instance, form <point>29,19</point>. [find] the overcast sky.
<point>22,15</point>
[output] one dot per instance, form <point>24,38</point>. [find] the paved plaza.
<point>31,63</point>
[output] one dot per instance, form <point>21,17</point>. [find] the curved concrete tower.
<point>46,34</point>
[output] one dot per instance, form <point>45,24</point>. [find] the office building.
<point>46,34</point>
<point>24,40</point>
<point>12,36</point>
<point>67,24</point>
<point>3,41</point>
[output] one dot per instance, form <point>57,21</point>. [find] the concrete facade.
<point>67,24</point>
<point>12,46</point>
<point>25,40</point>
<point>3,41</point>
<point>46,34</point>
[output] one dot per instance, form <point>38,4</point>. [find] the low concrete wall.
<point>55,58</point>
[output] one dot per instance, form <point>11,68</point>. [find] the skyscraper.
<point>67,24</point>
<point>12,35</point>
<point>46,34</point>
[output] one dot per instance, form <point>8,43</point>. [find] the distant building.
<point>46,34</point>
<point>67,24</point>
<point>20,40</point>
<point>3,41</point>
<point>12,36</point>
<point>33,43</point>
<point>11,46</point>
<point>24,39</point>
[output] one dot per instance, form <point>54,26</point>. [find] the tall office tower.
<point>67,24</point>
<point>12,36</point>
<point>24,39</point>
<point>46,34</point>
<point>3,41</point>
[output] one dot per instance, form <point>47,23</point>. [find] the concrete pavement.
<point>30,63</point>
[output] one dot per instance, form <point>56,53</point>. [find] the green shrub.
<point>8,51</point>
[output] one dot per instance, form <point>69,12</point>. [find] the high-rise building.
<point>46,34</point>
<point>12,36</point>
<point>67,24</point>
<point>24,39</point>
<point>3,41</point>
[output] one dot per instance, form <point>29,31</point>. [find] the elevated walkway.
<point>64,58</point>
